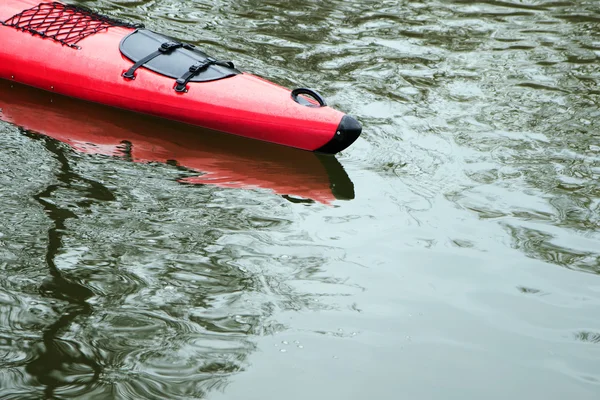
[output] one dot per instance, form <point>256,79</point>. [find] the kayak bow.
<point>73,51</point>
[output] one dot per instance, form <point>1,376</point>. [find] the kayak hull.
<point>244,104</point>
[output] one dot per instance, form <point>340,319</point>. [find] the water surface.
<point>462,265</point>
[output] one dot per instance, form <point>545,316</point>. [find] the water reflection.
<point>115,333</point>
<point>223,160</point>
<point>148,287</point>
<point>57,361</point>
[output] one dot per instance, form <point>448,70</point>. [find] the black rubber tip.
<point>347,132</point>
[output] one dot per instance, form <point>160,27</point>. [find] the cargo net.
<point>63,23</point>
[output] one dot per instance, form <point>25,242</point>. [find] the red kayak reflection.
<point>221,160</point>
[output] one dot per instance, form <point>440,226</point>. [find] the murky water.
<point>461,260</point>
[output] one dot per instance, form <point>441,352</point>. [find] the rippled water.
<point>463,262</point>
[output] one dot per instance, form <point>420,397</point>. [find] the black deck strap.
<point>165,48</point>
<point>197,68</point>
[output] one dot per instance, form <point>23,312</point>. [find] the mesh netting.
<point>63,23</point>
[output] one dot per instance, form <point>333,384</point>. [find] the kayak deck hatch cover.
<point>76,52</point>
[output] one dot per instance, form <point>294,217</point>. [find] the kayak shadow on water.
<point>220,159</point>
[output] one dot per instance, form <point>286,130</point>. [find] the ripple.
<point>474,231</point>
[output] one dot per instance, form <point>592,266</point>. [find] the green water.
<point>465,266</point>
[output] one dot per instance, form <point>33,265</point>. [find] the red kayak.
<point>75,52</point>
<point>205,157</point>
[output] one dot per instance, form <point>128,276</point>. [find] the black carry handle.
<point>309,92</point>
